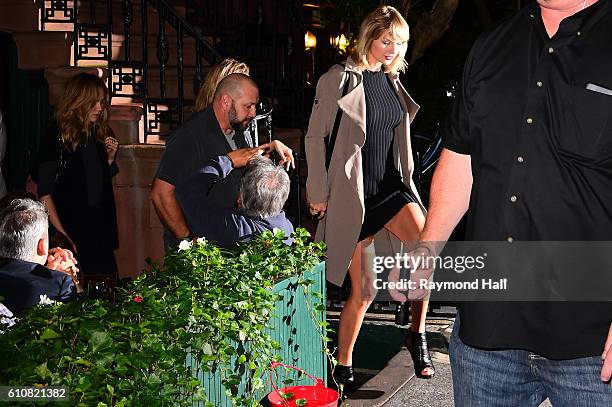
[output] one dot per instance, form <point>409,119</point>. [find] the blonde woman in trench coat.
<point>336,194</point>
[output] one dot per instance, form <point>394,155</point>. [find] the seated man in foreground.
<point>24,250</point>
<point>264,188</point>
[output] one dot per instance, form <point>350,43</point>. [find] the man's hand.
<point>241,157</point>
<point>284,152</point>
<point>606,356</point>
<point>422,266</point>
<point>61,260</point>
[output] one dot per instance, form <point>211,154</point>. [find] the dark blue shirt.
<point>23,282</point>
<point>224,226</point>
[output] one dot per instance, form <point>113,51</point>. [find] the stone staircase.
<point>153,63</point>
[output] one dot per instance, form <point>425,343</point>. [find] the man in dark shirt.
<point>210,133</point>
<point>528,155</point>
<point>264,188</point>
<point>24,250</point>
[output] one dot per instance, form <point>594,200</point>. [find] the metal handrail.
<point>187,28</point>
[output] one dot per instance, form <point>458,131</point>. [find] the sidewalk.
<point>397,386</point>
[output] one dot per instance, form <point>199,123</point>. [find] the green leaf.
<point>81,362</point>
<point>110,389</point>
<point>43,371</point>
<point>300,402</point>
<point>286,396</point>
<point>49,334</point>
<point>100,312</point>
<point>99,341</point>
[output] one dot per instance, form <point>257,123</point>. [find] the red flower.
<point>138,298</point>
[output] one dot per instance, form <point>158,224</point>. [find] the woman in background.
<point>369,175</point>
<point>214,76</point>
<point>76,164</point>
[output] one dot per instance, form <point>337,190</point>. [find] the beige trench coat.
<point>342,186</point>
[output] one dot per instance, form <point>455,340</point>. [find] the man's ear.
<point>42,247</point>
<point>226,101</point>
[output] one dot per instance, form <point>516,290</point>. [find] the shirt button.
<point>513,198</point>
<point>520,159</point>
<point>509,239</point>
<point>529,120</point>
<point>551,50</point>
<point>540,84</point>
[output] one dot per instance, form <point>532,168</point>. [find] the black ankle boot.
<point>420,355</point>
<point>343,374</point>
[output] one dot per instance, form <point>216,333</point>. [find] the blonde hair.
<point>382,20</point>
<point>80,96</point>
<point>215,75</point>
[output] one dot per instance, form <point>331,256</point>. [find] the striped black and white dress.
<point>384,192</point>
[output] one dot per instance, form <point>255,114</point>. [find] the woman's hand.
<point>318,209</point>
<point>284,152</point>
<point>111,144</point>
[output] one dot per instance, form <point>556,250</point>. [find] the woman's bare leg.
<point>355,308</point>
<point>407,225</point>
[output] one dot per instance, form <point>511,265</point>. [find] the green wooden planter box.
<point>292,327</point>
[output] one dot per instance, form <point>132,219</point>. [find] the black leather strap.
<point>332,137</point>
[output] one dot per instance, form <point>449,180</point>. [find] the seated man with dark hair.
<point>24,250</point>
<point>264,189</point>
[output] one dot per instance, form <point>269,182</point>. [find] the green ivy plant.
<point>212,303</point>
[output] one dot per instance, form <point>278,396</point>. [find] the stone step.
<point>119,42</point>
<point>52,49</point>
<point>41,50</point>
<point>84,16</point>
<point>153,84</point>
<point>18,15</point>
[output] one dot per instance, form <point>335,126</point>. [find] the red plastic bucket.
<point>312,396</point>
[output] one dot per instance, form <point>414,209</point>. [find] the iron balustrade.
<point>130,70</point>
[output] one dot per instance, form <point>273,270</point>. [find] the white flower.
<point>44,300</point>
<point>184,245</point>
<point>201,240</point>
<point>6,317</point>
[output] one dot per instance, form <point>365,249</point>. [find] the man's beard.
<point>233,119</point>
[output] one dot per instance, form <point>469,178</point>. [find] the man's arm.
<point>168,209</point>
<point>449,196</point>
<point>449,200</point>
